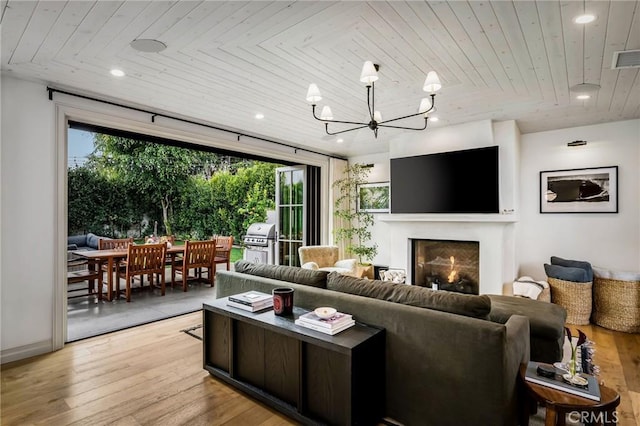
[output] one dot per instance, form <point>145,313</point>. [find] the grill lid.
<point>260,233</point>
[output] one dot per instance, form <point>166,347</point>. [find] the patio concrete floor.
<point>88,317</point>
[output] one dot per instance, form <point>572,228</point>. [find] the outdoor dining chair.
<point>223,251</point>
<point>112,244</point>
<point>144,259</point>
<point>197,255</point>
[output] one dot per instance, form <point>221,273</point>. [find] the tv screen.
<point>448,182</point>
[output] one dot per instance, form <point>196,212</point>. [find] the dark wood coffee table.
<point>558,404</point>
<point>310,376</point>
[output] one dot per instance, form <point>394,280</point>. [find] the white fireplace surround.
<point>495,233</point>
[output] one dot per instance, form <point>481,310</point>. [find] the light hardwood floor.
<point>153,374</point>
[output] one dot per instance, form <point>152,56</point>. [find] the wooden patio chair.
<point>197,255</point>
<point>223,252</point>
<point>112,244</point>
<point>144,259</point>
<point>89,273</point>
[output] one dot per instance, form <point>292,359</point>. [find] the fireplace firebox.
<point>446,265</point>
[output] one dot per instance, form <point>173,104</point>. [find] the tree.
<point>356,231</point>
<point>154,173</point>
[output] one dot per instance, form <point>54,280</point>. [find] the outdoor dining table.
<point>97,258</point>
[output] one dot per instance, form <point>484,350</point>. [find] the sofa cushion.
<point>444,301</point>
<point>566,273</point>
<point>555,260</point>
<point>92,240</point>
<point>77,240</point>
<point>292,274</point>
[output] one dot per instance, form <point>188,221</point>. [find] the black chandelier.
<point>369,76</point>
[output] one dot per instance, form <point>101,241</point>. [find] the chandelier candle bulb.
<point>326,113</point>
<point>369,73</point>
<point>425,106</point>
<point>432,82</point>
<point>313,94</point>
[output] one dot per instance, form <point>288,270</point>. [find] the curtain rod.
<point>52,90</point>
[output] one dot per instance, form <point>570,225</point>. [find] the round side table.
<point>558,404</point>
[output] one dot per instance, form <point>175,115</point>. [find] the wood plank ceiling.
<point>227,61</point>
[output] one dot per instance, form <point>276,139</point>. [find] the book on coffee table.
<point>337,320</point>
<point>590,391</point>
<point>251,301</point>
<point>325,330</point>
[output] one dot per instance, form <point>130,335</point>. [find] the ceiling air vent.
<point>626,59</point>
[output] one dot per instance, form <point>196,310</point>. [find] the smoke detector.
<point>626,59</point>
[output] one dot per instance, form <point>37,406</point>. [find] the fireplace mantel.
<point>418,217</point>
<point>494,232</point>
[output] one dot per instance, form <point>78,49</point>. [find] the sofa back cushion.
<point>77,240</point>
<point>444,301</point>
<point>291,274</point>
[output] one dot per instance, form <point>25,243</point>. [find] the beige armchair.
<point>325,258</point>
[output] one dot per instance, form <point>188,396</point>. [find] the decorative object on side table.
<point>283,301</point>
<point>572,375</point>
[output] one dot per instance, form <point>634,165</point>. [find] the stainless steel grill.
<point>260,242</point>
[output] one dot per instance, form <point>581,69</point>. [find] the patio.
<point>87,317</point>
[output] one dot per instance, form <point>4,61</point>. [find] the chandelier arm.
<point>413,115</point>
<point>326,129</point>
<point>406,128</point>
<point>334,121</point>
<point>372,108</point>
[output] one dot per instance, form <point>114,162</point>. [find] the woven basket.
<point>574,297</point>
<point>616,304</point>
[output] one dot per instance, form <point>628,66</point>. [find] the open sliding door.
<point>297,210</point>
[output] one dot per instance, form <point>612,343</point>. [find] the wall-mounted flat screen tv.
<point>447,182</point>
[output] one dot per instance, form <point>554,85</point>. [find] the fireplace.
<point>446,265</point>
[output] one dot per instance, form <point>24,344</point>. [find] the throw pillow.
<point>444,301</point>
<point>566,273</point>
<point>283,273</point>
<point>555,260</point>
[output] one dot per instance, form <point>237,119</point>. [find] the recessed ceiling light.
<point>584,19</point>
<point>583,97</point>
<point>339,140</point>
<point>259,116</point>
<point>117,73</point>
<point>148,45</point>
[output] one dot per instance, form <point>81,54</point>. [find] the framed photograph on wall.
<point>590,190</point>
<point>373,197</point>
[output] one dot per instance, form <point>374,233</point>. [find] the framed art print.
<point>373,197</point>
<point>590,190</point>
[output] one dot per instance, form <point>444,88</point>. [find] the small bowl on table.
<point>325,312</point>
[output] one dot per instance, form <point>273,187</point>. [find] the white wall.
<point>607,240</point>
<point>28,178</point>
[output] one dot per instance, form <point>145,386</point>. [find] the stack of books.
<point>251,301</point>
<point>591,390</point>
<point>333,325</point>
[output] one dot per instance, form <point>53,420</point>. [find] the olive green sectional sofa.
<point>447,363</point>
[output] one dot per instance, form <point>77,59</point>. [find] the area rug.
<point>195,331</point>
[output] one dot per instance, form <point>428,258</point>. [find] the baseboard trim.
<point>26,351</point>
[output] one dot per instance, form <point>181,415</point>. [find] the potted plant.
<point>356,229</point>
